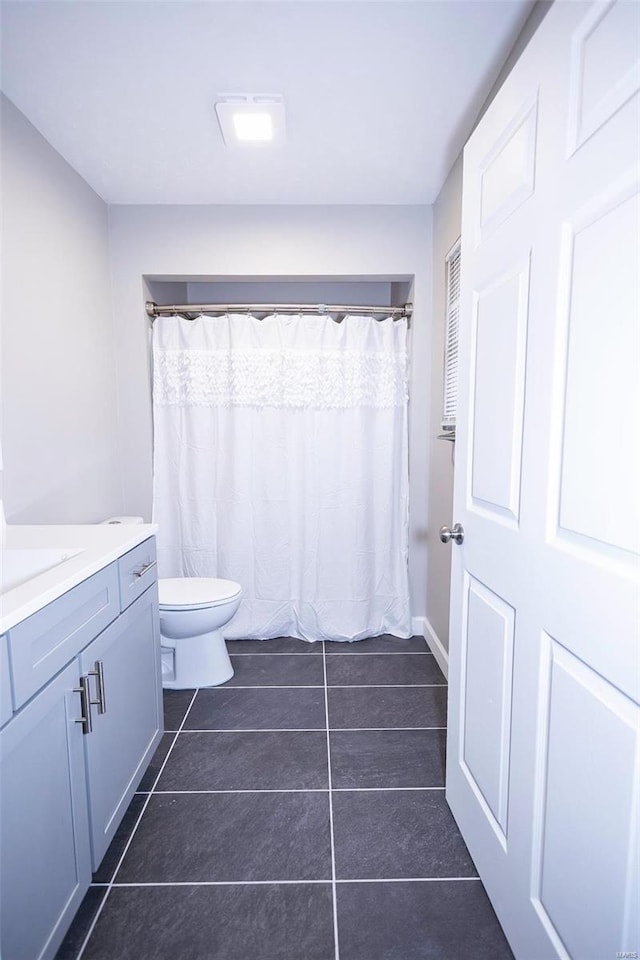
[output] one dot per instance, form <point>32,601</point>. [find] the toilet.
<point>193,611</point>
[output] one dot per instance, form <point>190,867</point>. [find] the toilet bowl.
<point>192,612</point>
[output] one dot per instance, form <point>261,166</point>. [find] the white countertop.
<point>100,545</point>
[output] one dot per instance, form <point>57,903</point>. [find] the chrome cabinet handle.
<point>144,569</point>
<point>98,673</point>
<point>85,704</point>
<point>455,533</point>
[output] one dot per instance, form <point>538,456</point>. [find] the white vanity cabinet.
<point>76,744</point>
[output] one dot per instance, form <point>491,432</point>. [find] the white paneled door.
<point>544,662</point>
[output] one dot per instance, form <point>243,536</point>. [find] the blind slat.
<point>450,399</point>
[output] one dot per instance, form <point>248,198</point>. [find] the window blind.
<point>450,398</point>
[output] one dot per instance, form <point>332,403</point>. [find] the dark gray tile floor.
<point>295,813</point>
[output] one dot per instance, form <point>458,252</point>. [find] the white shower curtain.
<point>280,461</point>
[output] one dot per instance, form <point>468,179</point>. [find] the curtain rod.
<point>157,310</point>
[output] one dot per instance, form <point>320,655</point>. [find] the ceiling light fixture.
<point>251,118</point>
<point>253,126</point>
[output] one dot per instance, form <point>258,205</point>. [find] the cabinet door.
<point>44,837</point>
<point>124,737</point>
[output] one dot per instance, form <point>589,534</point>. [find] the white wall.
<point>447,220</point>
<point>538,12</point>
<point>290,292</point>
<point>59,415</point>
<point>233,243</point>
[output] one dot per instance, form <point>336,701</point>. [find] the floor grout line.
<point>334,891</point>
<point>270,686</point>
<point>381,653</point>
<point>330,686</point>
<point>407,879</point>
<point>164,793</point>
<point>374,729</point>
<point>303,729</point>
<point>383,789</point>
<point>380,686</point>
<point>264,883</point>
<point>257,730</point>
<point>388,653</point>
<point>220,883</point>
<point>85,942</point>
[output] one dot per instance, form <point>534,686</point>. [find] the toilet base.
<point>200,661</point>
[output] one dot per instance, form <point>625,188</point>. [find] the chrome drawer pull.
<point>85,704</point>
<point>98,673</point>
<point>145,569</point>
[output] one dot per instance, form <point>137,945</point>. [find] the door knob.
<point>455,533</point>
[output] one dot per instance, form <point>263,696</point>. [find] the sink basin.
<point>20,566</point>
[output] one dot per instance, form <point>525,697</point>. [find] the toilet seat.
<point>195,593</point>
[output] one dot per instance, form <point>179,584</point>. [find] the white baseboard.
<point>422,628</point>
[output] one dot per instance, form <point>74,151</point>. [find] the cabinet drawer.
<point>137,571</point>
<point>43,643</point>
<point>6,703</point>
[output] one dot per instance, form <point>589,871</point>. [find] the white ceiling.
<point>380,96</point>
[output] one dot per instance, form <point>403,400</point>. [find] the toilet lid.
<point>196,591</point>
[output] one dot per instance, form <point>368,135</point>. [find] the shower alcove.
<point>281,449</point>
